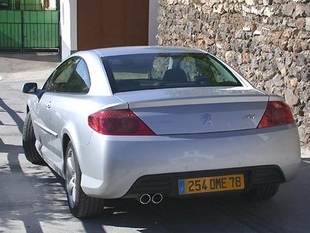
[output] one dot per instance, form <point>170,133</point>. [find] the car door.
<point>41,119</point>
<point>67,102</point>
<point>54,87</point>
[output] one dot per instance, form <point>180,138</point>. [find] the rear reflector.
<point>277,113</point>
<point>118,122</point>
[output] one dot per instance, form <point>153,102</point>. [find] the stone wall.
<point>267,41</point>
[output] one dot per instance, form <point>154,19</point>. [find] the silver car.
<point>156,122</point>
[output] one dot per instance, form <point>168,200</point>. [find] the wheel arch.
<point>27,109</point>
<point>65,140</point>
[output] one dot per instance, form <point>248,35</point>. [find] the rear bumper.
<point>113,166</point>
<point>167,184</point>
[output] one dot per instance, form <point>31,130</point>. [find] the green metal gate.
<point>28,27</point>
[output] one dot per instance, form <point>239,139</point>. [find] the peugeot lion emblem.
<point>207,119</point>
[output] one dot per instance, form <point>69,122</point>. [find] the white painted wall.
<point>52,5</point>
<point>153,23</point>
<point>68,27</point>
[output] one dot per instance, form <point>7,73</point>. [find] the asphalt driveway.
<point>33,199</point>
<point>28,66</point>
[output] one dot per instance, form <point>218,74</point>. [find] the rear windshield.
<point>155,71</point>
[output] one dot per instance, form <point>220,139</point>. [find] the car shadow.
<point>13,114</point>
<point>14,170</point>
<point>18,200</point>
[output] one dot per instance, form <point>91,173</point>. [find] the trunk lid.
<point>197,110</point>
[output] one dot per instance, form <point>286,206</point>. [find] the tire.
<point>81,205</point>
<point>29,140</point>
<point>262,193</point>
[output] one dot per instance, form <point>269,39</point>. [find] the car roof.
<point>116,51</point>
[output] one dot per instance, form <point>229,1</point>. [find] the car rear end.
<point>183,140</point>
<point>178,143</point>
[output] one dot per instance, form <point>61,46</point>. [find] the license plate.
<point>211,184</point>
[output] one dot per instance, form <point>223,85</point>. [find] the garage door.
<point>106,23</point>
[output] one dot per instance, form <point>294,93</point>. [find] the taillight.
<point>277,113</point>
<point>118,122</point>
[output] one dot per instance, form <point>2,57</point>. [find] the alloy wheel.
<point>71,177</point>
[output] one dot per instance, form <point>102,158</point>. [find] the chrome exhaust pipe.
<point>157,198</point>
<point>145,199</point>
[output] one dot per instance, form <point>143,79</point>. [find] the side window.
<point>58,80</point>
<point>71,76</point>
<point>79,81</point>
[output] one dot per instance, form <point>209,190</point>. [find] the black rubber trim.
<point>167,184</point>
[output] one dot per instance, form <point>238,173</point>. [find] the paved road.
<point>32,198</point>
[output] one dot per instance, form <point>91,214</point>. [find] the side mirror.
<point>30,88</point>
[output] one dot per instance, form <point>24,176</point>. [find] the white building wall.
<point>153,23</point>
<point>68,27</point>
<point>52,5</point>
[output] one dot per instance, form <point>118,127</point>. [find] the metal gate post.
<point>23,31</point>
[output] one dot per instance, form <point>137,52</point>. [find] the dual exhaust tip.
<point>147,198</point>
